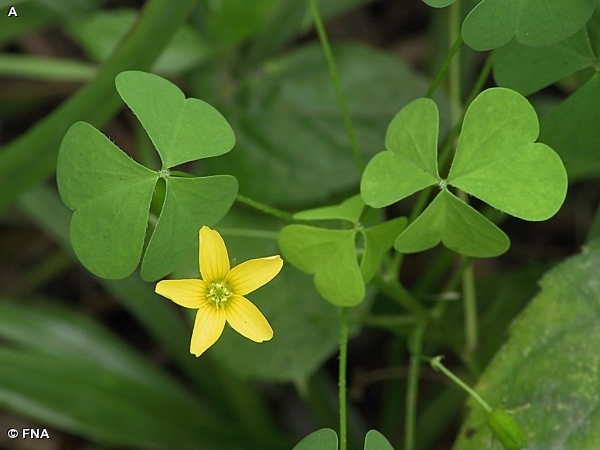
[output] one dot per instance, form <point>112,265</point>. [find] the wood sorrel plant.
<point>496,160</point>
<point>492,147</point>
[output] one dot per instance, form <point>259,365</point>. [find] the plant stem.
<point>416,348</point>
<point>436,363</point>
<point>444,67</point>
<point>342,378</point>
<point>360,165</point>
<point>265,208</point>
<point>420,205</point>
<point>454,70</point>
<point>470,310</point>
<point>481,79</point>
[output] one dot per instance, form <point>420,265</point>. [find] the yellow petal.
<point>246,319</point>
<point>214,260</point>
<point>250,275</point>
<point>208,326</point>
<point>187,293</point>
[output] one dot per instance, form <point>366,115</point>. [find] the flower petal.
<point>250,275</point>
<point>208,326</point>
<point>214,260</point>
<point>246,319</point>
<point>187,293</point>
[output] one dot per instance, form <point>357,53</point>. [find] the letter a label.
<point>12,12</point>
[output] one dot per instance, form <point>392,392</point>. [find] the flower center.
<point>218,292</point>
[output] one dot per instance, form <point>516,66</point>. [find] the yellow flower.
<point>219,295</point>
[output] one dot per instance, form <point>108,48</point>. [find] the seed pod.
<point>506,430</point>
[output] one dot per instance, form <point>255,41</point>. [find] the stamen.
<point>218,293</point>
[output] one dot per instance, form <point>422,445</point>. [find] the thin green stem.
<point>455,280</point>
<point>444,67</point>
<point>470,311</point>
<point>454,70</point>
<point>416,349</point>
<point>395,262</point>
<point>436,363</point>
<point>436,271</point>
<point>342,379</point>
<point>392,402</point>
<point>265,208</point>
<point>481,79</point>
<point>360,165</point>
<point>420,205</point>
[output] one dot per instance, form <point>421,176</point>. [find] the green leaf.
<point>330,256</point>
<point>528,69</point>
<point>57,331</point>
<point>189,204</point>
<point>181,129</point>
<point>438,3</point>
<point>379,240</point>
<point>457,225</point>
<point>110,194</point>
<point>581,112</point>
<point>128,401</point>
<point>497,161</point>
<point>536,23</point>
<point>323,439</point>
<point>374,440</point>
<point>549,370</point>
<point>99,34</point>
<point>410,164</point>
<point>117,411</point>
<point>502,296</point>
<point>349,210</point>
